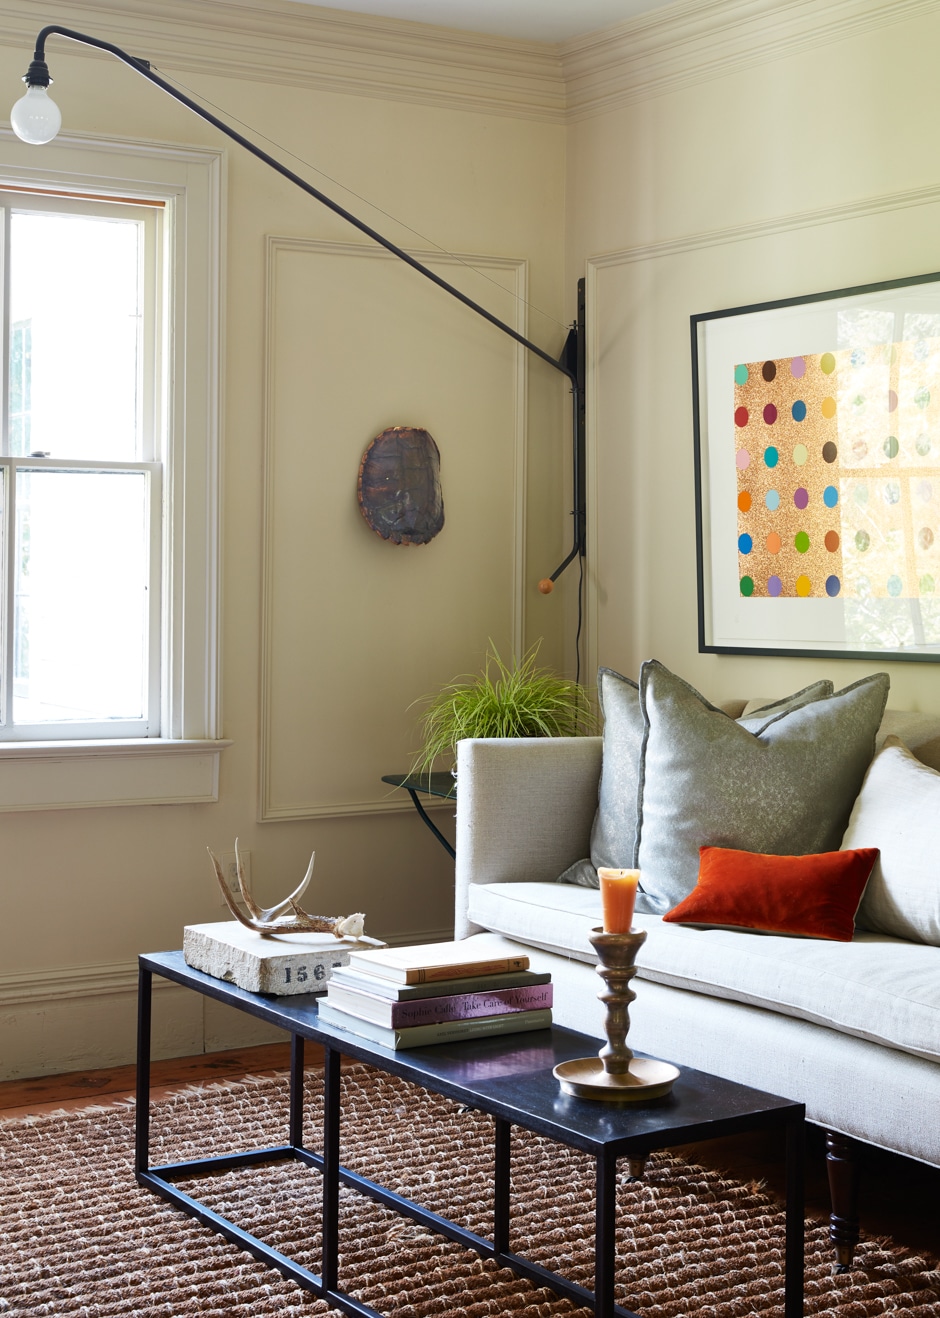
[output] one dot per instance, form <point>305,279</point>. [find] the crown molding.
<point>697,40</point>
<point>284,43</point>
<point>300,45</point>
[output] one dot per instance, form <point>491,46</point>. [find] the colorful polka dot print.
<point>837,494</point>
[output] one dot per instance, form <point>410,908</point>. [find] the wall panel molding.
<point>357,596</point>
<point>860,208</point>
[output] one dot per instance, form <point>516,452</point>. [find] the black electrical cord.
<point>577,635</point>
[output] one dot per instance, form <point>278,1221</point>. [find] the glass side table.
<point>430,784</point>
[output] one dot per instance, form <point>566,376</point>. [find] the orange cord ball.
<point>546,585</point>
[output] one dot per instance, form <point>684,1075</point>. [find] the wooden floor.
<point>79,1088</point>
<point>900,1198</point>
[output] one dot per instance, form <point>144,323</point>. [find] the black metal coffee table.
<point>509,1077</point>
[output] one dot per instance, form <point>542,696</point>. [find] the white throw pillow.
<point>897,812</point>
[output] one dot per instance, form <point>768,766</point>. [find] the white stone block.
<point>281,964</point>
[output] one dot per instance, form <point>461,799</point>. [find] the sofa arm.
<point>525,807</point>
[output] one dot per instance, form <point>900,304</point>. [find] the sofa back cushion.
<point>781,786</point>
<point>899,805</point>
<point>613,837</point>
<point>920,733</point>
<point>614,833</point>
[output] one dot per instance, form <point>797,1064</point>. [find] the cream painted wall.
<point>410,615</point>
<point>806,171</point>
<point>713,184</point>
<point>84,891</point>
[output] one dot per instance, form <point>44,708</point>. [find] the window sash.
<point>154,294</point>
<point>82,728</point>
<point>152,412</point>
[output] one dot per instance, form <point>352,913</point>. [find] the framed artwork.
<point>817,474</point>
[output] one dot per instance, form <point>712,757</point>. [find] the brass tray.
<point>646,1079</point>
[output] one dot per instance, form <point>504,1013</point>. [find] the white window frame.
<point>182,764</point>
<point>155,222</point>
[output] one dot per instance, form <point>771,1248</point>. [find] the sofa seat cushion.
<point>555,916</point>
<point>882,989</point>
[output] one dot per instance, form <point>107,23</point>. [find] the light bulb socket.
<point>37,75</point>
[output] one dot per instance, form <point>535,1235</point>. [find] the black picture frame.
<point>816,425</point>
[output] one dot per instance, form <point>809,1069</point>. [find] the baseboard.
<point>83,1018</point>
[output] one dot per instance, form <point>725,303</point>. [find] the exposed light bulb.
<point>35,117</point>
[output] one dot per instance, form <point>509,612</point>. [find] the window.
<point>81,464</point>
<point>109,474</point>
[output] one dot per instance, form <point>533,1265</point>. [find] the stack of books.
<point>408,997</point>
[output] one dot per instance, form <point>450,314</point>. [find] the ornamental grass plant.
<point>519,699</point>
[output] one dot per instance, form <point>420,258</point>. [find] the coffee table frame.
<point>701,1107</point>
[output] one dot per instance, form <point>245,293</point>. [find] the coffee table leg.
<point>296,1090</point>
<point>503,1150</point>
<point>331,1079</point>
<point>793,1286</point>
<point>604,1234</point>
<point>142,1115</point>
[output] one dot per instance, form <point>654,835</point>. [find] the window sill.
<point>72,775</point>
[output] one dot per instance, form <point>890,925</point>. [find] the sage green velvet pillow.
<point>783,785</point>
<point>614,834</point>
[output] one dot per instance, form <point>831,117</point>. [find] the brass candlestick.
<point>615,1075</point>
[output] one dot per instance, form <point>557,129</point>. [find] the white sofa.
<point>850,1029</point>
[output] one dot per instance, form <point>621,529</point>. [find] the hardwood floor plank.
<point>40,1092</point>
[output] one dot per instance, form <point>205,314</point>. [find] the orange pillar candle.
<point>618,896</point>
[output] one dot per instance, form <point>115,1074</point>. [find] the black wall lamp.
<point>35,118</point>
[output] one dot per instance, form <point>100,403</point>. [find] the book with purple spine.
<point>426,1011</point>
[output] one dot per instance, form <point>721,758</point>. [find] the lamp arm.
<point>39,76</point>
<point>570,363</point>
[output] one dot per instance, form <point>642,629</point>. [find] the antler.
<point>273,920</point>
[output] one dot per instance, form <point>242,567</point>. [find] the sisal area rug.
<point>79,1238</point>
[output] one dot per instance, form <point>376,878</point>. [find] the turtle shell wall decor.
<point>400,486</point>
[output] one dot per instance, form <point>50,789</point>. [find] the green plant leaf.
<point>505,700</point>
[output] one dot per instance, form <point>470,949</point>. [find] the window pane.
<point>4,476</point>
<point>21,374</point>
<point>80,630</point>
<point>75,323</point>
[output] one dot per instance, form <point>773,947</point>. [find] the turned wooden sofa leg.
<point>842,1164</point>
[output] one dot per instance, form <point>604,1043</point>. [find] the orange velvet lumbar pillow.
<point>812,896</point>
